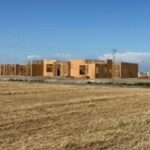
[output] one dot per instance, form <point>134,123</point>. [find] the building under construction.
<point>91,68</point>
<point>13,69</point>
<point>48,68</point>
<point>87,68</point>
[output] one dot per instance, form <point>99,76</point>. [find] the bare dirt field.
<point>36,116</point>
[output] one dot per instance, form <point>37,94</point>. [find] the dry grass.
<point>48,116</point>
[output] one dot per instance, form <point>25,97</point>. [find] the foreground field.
<point>48,116</point>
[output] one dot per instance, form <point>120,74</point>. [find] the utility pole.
<point>114,51</point>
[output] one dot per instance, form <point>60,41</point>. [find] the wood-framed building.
<point>87,68</point>
<point>49,68</point>
<point>125,70</point>
<point>13,69</point>
<point>91,68</point>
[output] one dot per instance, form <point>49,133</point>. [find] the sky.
<point>75,29</point>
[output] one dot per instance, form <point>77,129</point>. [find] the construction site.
<point>82,68</point>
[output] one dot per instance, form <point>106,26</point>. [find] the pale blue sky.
<point>77,28</point>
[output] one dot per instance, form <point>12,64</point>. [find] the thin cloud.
<point>62,56</point>
<point>34,57</point>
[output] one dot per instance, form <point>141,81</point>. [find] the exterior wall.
<point>12,69</point>
<point>7,70</point>
<point>49,68</point>
<point>125,70</point>
<point>59,68</point>
<point>63,68</point>
<point>75,69</point>
<point>22,70</point>
<point>116,71</point>
<point>17,69</point>
<point>109,65</point>
<point>39,68</point>
<point>96,68</point>
<point>49,73</point>
<point>35,68</point>
<point>91,70</point>
<point>129,70</point>
<point>103,71</point>
<point>3,71</point>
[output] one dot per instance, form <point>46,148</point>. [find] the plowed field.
<point>49,117</point>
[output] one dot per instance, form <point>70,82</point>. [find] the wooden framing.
<point>35,68</point>
<point>13,70</point>
<point>2,70</point>
<point>22,70</point>
<point>62,68</point>
<point>92,68</point>
<point>49,68</point>
<point>75,68</point>
<point>125,70</point>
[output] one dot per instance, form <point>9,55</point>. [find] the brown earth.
<point>49,117</point>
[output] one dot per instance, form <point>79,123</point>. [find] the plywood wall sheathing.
<point>88,68</point>
<point>22,70</point>
<point>95,68</point>
<point>125,70</point>
<point>129,70</point>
